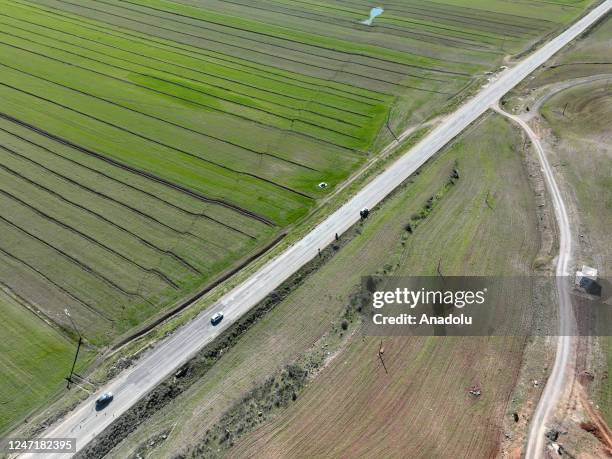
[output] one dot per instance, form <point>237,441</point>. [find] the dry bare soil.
<point>570,105</point>
<point>484,224</point>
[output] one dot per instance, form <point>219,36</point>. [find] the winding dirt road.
<point>565,354</point>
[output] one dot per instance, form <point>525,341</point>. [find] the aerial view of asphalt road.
<point>84,423</point>
<point>561,370</point>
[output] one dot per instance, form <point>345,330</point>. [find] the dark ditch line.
<point>59,196</point>
<point>87,306</point>
<point>249,50</point>
<point>483,33</point>
<point>330,49</point>
<point>449,10</point>
<point>268,35</point>
<point>93,241</point>
<point>147,193</point>
<point>76,262</point>
<point>162,276</point>
<point>240,147</point>
<point>190,101</point>
<point>479,15</point>
<point>452,41</point>
<point>97,193</point>
<point>460,34</point>
<point>198,366</point>
<point>369,66</point>
<point>177,75</point>
<point>277,56</point>
<point>200,91</point>
<point>180,150</point>
<point>352,24</point>
<point>343,21</point>
<point>439,25</point>
<point>211,285</point>
<point>171,46</point>
<point>555,3</point>
<point>459,44</point>
<point>491,27</point>
<point>136,171</point>
<point>207,107</point>
<point>185,152</point>
<point>289,81</point>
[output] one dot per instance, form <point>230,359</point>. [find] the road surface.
<point>84,423</point>
<point>565,355</point>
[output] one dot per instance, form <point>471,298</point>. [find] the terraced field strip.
<point>147,147</point>
<point>115,243</point>
<point>219,134</point>
<point>33,356</point>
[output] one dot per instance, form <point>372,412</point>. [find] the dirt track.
<point>562,367</point>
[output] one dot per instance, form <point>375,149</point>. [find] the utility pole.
<point>388,125</point>
<point>76,356</point>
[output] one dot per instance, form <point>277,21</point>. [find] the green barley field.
<point>148,146</point>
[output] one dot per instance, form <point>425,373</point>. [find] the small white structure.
<point>586,276</point>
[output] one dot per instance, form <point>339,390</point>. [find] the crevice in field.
<point>111,283</point>
<point>128,185</point>
<point>87,237</point>
<point>59,196</point>
<point>207,106</point>
<point>136,171</point>
<point>56,285</point>
<point>209,57</point>
<point>142,136</point>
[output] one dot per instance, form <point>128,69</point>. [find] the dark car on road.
<point>104,400</point>
<point>216,318</point>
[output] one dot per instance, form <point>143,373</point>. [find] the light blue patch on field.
<point>374,13</point>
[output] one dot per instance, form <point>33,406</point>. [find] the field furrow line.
<point>341,62</point>
<point>131,186</point>
<point>182,76</point>
<point>191,101</point>
<point>174,64</point>
<point>451,11</point>
<point>259,33</point>
<point>355,17</point>
<point>134,133</point>
<point>244,94</point>
<point>56,285</point>
<point>136,171</point>
<point>99,194</point>
<point>207,56</point>
<point>87,237</point>
<point>97,215</point>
